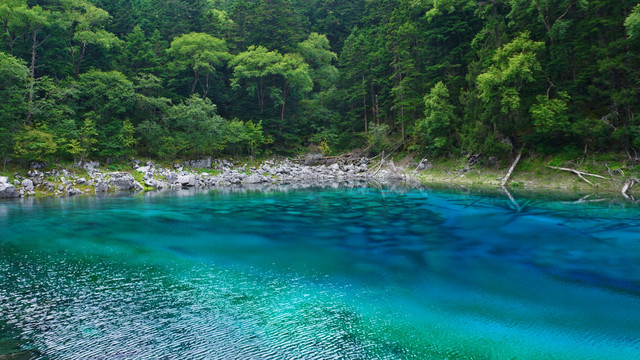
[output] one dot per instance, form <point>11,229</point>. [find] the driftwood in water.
<point>513,166</point>
<point>581,174</point>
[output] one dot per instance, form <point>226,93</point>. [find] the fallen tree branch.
<point>395,170</point>
<point>580,174</point>
<point>513,166</point>
<point>628,184</point>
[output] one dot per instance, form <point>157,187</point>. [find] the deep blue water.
<point>319,274</point>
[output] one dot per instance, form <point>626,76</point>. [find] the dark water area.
<point>319,274</point>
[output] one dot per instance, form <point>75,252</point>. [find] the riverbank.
<point>533,175</point>
<point>537,175</point>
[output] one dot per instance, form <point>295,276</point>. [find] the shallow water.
<point>319,274</point>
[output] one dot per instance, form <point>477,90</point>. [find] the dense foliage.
<point>187,78</point>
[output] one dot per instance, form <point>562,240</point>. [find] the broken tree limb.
<point>581,174</point>
<point>513,166</point>
<point>628,184</point>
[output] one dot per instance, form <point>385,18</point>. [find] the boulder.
<point>90,165</point>
<point>187,180</point>
<point>4,179</point>
<point>171,177</point>
<point>81,181</point>
<point>74,192</point>
<point>199,164</point>
<point>37,165</point>
<point>27,185</point>
<point>123,181</point>
<point>425,164</point>
<point>101,186</point>
<point>156,184</point>
<point>8,191</point>
<point>254,179</point>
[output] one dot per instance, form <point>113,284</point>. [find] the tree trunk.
<point>364,101</point>
<point>9,37</point>
<point>77,69</point>
<point>195,81</point>
<point>32,73</point>
<point>284,100</point>
<point>260,95</point>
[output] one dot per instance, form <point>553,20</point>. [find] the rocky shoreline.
<point>197,174</point>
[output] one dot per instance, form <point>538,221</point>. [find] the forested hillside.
<point>173,79</point>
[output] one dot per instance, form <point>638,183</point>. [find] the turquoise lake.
<point>358,273</point>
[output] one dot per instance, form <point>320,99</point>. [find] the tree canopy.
<point>184,78</point>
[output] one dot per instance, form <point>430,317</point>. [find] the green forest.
<point>169,79</point>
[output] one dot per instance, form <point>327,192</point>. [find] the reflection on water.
<point>319,274</point>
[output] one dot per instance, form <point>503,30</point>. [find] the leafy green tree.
<point>201,53</point>
<point>218,23</point>
<point>137,55</point>
<point>14,83</point>
<point>294,73</point>
<point>552,14</point>
<point>127,138</point>
<point>85,25</point>
<point>12,18</point>
<point>378,138</point>
<point>632,23</point>
<point>437,131</point>
<point>86,142</point>
<point>252,70</point>
<point>317,53</point>
<point>34,144</point>
<point>54,106</point>
<point>512,67</point>
<point>235,137</point>
<point>111,96</point>
<point>335,18</point>
<point>194,128</point>
<point>36,19</point>
<point>550,115</point>
<point>274,24</point>
<point>355,68</point>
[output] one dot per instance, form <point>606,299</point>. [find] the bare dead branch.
<point>581,174</point>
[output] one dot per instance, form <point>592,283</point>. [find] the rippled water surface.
<point>319,274</point>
